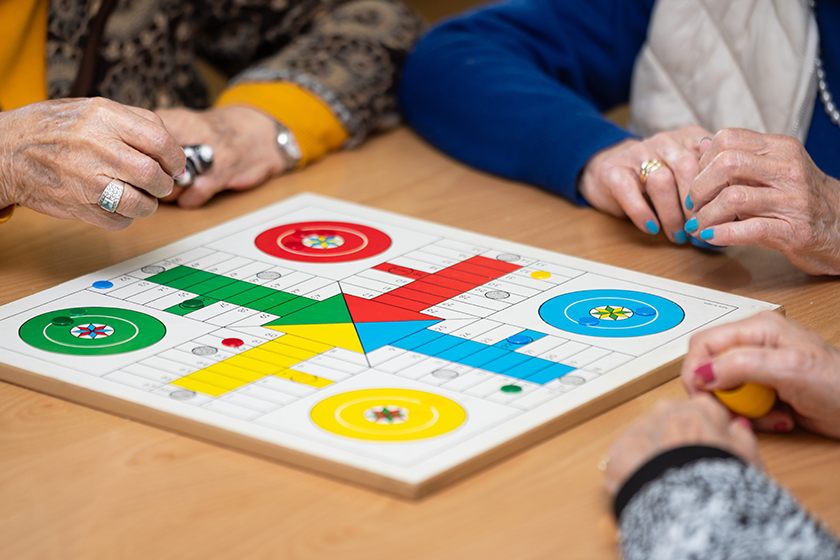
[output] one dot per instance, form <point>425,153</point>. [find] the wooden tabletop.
<point>79,483</point>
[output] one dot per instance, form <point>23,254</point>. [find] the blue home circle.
<point>611,313</point>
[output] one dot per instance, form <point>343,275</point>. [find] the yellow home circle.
<point>540,275</point>
<point>388,414</point>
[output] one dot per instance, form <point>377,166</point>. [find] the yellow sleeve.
<point>6,213</point>
<point>316,128</point>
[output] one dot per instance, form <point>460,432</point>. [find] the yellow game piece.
<point>752,400</point>
<point>540,275</point>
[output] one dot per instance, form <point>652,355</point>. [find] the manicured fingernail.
<point>691,225</point>
<point>705,139</point>
<point>707,233</point>
<point>680,237</point>
<point>652,227</point>
<point>688,204</point>
<point>181,174</point>
<point>781,427</point>
<point>705,373</point>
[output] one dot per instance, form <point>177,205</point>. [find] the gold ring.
<point>649,167</point>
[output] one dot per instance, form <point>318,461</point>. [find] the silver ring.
<point>110,197</point>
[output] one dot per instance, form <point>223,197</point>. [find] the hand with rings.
<point>89,159</point>
<point>646,180</point>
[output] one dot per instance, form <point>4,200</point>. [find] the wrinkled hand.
<point>774,351</point>
<point>763,189</point>
<point>699,421</point>
<point>57,157</point>
<point>244,141</point>
<point>610,181</point>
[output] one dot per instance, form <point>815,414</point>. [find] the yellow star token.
<point>388,414</point>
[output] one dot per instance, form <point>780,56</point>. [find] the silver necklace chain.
<point>827,100</point>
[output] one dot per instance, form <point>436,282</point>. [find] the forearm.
<point>714,508</point>
<point>518,89</point>
<point>348,59</point>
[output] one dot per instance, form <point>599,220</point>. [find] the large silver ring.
<point>110,197</point>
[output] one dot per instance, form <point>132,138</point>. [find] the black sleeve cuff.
<point>653,469</point>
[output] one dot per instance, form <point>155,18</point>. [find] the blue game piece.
<point>103,284</point>
<point>519,339</point>
<point>645,311</point>
<point>588,321</point>
<point>700,244</point>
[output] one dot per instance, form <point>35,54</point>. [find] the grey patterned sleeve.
<point>347,52</point>
<point>719,508</point>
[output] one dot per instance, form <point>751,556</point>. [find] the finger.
<point>662,190</point>
<point>769,233</point>
<point>744,442</point>
<point>733,139</point>
<point>151,139</point>
<point>627,190</point>
<point>762,329</point>
<point>143,172</point>
<point>774,367</point>
<point>775,421</point>
<point>96,216</point>
<point>202,190</point>
<point>732,167</point>
<point>133,203</point>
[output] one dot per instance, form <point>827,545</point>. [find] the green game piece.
<point>511,388</point>
<point>114,330</point>
<point>192,304</point>
<point>76,312</point>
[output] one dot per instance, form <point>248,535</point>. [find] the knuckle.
<point>726,138</point>
<point>735,197</point>
<point>730,160</point>
<point>146,171</point>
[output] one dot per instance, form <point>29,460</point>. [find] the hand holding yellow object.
<point>750,364</point>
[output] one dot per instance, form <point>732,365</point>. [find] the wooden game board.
<point>367,345</point>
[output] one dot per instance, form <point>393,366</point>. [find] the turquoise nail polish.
<point>688,204</point>
<point>707,233</point>
<point>652,227</point>
<point>680,237</point>
<point>691,225</point>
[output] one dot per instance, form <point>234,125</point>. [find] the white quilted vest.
<point>727,63</point>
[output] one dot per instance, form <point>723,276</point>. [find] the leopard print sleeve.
<point>347,52</point>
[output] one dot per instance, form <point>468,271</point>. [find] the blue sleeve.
<point>517,88</point>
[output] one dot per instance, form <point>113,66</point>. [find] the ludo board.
<point>368,345</point>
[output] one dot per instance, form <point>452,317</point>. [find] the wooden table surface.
<point>79,483</point>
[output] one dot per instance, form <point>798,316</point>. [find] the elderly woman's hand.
<point>763,189</point>
<point>699,421</point>
<point>244,141</point>
<point>774,351</point>
<point>57,158</point>
<point>610,180</point>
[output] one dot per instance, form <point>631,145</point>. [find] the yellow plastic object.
<point>752,400</point>
<point>540,275</point>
